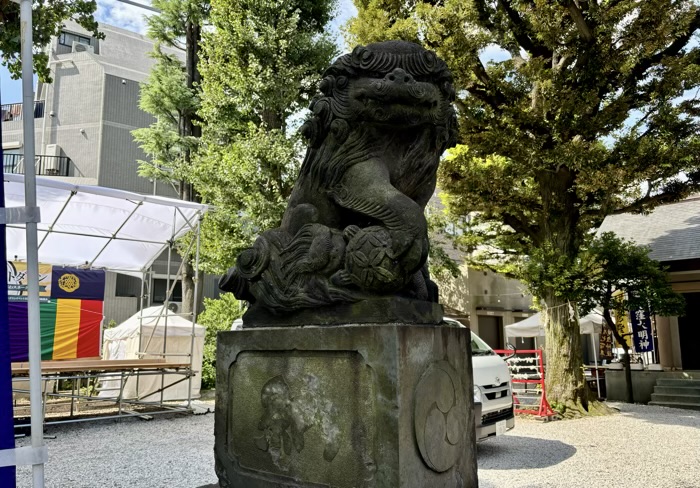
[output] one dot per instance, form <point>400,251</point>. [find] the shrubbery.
<point>218,315</point>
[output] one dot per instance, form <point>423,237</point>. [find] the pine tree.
<point>585,108</point>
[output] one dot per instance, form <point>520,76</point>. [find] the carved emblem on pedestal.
<point>440,416</point>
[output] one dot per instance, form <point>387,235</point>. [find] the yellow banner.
<point>17,279</point>
<point>65,341</point>
<point>622,323</point>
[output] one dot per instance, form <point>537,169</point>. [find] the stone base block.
<point>363,406</point>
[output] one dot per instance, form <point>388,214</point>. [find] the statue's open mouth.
<point>424,95</point>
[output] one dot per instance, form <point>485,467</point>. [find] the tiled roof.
<point>672,231</point>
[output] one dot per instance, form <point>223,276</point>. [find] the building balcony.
<point>45,165</point>
<point>12,112</point>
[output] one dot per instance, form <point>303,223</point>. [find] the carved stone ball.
<point>370,262</point>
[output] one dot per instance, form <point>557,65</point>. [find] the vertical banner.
<point>621,321</point>
<point>7,429</point>
<point>606,343</point>
<point>641,331</point>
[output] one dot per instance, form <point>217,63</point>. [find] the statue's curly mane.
<point>328,128</point>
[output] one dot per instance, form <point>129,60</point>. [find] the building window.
<point>160,290</point>
<point>67,39</point>
<point>127,286</point>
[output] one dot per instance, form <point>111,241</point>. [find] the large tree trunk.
<point>188,289</point>
<point>565,384</point>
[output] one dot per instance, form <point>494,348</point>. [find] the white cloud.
<point>126,16</point>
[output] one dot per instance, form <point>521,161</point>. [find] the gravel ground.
<point>170,451</point>
<point>644,446</point>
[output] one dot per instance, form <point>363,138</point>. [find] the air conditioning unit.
<point>52,161</point>
<point>79,47</point>
<point>54,150</point>
<point>175,307</point>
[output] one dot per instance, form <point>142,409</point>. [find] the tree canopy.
<point>47,21</point>
<point>569,111</point>
<point>262,62</point>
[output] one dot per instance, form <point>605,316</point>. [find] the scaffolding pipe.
<point>166,304</point>
<point>143,284</point>
<point>194,312</point>
<point>35,397</point>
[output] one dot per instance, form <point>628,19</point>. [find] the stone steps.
<point>678,382</point>
<point>677,390</point>
<point>677,393</point>
<point>675,398</point>
<point>684,406</point>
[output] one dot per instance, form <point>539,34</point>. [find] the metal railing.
<point>12,112</point>
<point>45,165</point>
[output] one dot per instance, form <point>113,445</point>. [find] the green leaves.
<point>218,316</point>
<point>261,64</point>
<point>47,20</point>
<point>248,181</point>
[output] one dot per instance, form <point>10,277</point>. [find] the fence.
<point>45,165</point>
<point>13,111</point>
<point>527,374</point>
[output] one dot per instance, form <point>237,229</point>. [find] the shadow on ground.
<point>522,453</point>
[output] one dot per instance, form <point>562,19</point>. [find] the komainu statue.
<point>355,231</point>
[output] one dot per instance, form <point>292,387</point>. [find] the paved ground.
<point>642,447</point>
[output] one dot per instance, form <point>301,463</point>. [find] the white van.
<point>493,392</point>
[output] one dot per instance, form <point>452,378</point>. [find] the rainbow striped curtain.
<point>70,314</point>
<point>70,329</point>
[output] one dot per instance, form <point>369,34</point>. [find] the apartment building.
<point>83,122</point>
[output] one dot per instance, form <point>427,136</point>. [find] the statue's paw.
<point>341,278</point>
<point>401,242</point>
<point>350,232</point>
<point>233,282</point>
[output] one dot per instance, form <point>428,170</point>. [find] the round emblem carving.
<point>68,282</point>
<point>440,416</point>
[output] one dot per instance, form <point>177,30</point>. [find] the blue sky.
<point>130,17</point>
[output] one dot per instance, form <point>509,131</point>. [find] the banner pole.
<point>35,397</point>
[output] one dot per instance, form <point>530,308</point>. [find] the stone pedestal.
<point>363,406</point>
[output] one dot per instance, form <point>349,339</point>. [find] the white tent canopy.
<point>534,327</point>
<point>160,327</point>
<point>98,227</point>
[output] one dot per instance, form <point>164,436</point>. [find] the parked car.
<point>493,391</point>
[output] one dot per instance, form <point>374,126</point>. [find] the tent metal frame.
<point>191,224</point>
<point>135,372</point>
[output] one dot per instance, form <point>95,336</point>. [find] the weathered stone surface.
<point>360,406</point>
<point>377,311</point>
<point>355,229</point>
